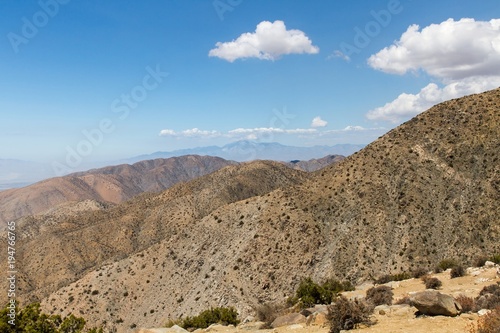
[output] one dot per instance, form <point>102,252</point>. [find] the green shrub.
<point>447,263</point>
<point>380,295</point>
<point>220,315</point>
<point>310,293</point>
<point>345,314</point>
<point>31,319</point>
<point>495,258</point>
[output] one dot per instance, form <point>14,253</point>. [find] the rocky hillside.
<point>315,164</point>
<point>425,191</point>
<point>56,248</point>
<point>112,184</point>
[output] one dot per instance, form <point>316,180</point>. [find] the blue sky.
<point>114,79</point>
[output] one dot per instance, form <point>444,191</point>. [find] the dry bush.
<point>268,312</point>
<point>489,323</point>
<point>431,282</point>
<point>417,273</point>
<point>489,297</point>
<point>345,314</point>
<point>467,303</point>
<point>403,300</point>
<point>457,271</point>
<point>380,295</point>
<point>480,261</point>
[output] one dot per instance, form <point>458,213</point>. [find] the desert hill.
<point>112,184</point>
<point>56,249</point>
<point>425,191</point>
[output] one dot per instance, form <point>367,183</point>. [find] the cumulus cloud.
<point>318,122</point>
<point>463,56</point>
<point>406,106</point>
<point>269,41</point>
<point>450,50</point>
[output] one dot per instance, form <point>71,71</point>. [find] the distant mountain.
<point>112,184</point>
<point>245,150</point>
<point>315,163</point>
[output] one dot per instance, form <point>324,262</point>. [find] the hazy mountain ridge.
<point>245,150</point>
<point>113,184</point>
<point>425,191</point>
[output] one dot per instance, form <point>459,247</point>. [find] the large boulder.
<point>288,319</point>
<point>433,303</point>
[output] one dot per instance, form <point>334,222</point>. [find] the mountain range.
<point>17,173</point>
<point>248,233</point>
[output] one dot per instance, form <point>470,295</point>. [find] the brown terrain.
<point>112,184</point>
<point>247,234</point>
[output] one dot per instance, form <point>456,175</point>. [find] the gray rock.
<point>433,303</point>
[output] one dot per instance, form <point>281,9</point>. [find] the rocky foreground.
<point>394,318</point>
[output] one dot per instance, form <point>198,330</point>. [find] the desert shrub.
<point>309,292</point>
<point>489,297</point>
<point>467,303</point>
<point>345,314</point>
<point>480,261</point>
<point>495,258</point>
<point>489,323</point>
<point>447,263</point>
<point>220,315</point>
<point>417,273</point>
<point>380,295</point>
<point>394,277</point>
<point>431,282</point>
<point>268,312</point>
<point>457,271</point>
<point>32,319</point>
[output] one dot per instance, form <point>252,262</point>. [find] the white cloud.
<point>190,133</point>
<point>463,55</point>
<point>269,41</point>
<point>354,128</point>
<point>406,106</point>
<point>318,122</point>
<point>451,50</point>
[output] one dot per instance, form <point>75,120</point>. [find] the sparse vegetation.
<point>431,282</point>
<point>419,272</point>
<point>32,320</point>
<point>268,312</point>
<point>489,297</point>
<point>394,277</point>
<point>220,315</point>
<point>309,292</point>
<point>445,264</point>
<point>489,323</point>
<point>457,271</point>
<point>380,295</point>
<point>345,314</point>
<point>467,303</point>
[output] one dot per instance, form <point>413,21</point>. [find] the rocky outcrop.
<point>433,303</point>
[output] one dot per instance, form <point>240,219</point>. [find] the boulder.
<point>433,303</point>
<point>288,319</point>
<point>317,319</point>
